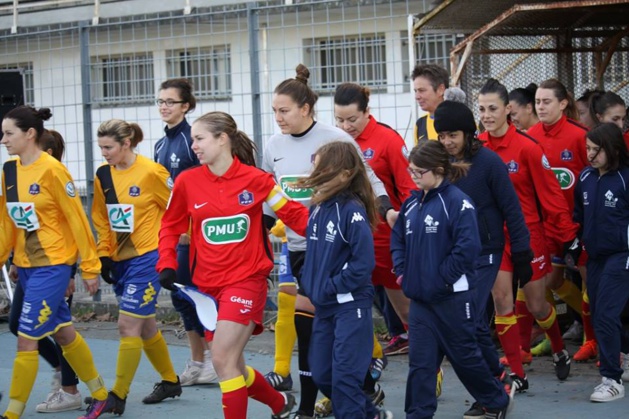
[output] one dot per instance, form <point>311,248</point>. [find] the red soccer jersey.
<point>228,239</point>
<point>384,150</point>
<point>534,182</point>
<point>564,146</point>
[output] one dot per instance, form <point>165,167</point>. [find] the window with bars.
<point>123,80</point>
<point>359,59</point>
<point>27,73</point>
<point>208,68</point>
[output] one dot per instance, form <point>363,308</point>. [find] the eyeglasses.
<point>168,102</point>
<point>417,173</point>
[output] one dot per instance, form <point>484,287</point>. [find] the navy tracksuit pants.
<point>340,354</point>
<point>608,290</point>
<point>447,327</point>
<point>487,267</point>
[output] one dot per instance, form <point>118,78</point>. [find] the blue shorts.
<point>137,285</point>
<point>285,274</point>
<point>44,310</point>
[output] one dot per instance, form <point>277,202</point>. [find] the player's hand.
<point>571,252</point>
<point>392,217</point>
<point>522,270</point>
<point>91,285</point>
<point>71,288</point>
<point>13,276</point>
<point>184,239</point>
<point>105,270</point>
<point>167,279</point>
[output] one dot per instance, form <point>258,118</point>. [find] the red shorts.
<point>541,256</point>
<point>556,250</point>
<point>382,273</point>
<point>240,303</point>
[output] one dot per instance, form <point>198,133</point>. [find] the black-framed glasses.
<point>417,173</point>
<point>168,102</point>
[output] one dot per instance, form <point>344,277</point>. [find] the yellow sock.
<point>285,333</point>
<point>570,294</point>
<point>377,348</point>
<point>129,354</point>
<point>25,368</point>
<point>80,358</point>
<point>548,321</point>
<point>156,351</point>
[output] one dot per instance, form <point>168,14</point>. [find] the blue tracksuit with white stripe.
<point>602,209</point>
<point>488,184</point>
<point>435,244</point>
<point>337,278</point>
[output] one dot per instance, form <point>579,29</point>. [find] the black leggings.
<point>48,348</point>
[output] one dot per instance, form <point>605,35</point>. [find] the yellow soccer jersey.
<point>425,129</point>
<point>42,219</point>
<point>128,208</point>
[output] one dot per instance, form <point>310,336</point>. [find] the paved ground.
<point>546,398</point>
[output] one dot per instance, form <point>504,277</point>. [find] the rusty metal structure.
<point>585,44</point>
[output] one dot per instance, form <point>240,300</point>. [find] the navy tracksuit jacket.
<point>601,207</point>
<point>337,278</point>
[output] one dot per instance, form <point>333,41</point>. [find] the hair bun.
<point>303,74</point>
<point>44,114</point>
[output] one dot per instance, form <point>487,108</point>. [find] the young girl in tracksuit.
<point>337,278</point>
<point>439,223</point>
<point>602,208</point>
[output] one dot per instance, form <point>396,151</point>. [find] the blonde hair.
<point>241,145</point>
<point>121,130</point>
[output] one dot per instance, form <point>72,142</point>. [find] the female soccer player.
<point>43,222</point>
<point>130,196</point>
<point>231,257</point>
<point>435,244</point>
<point>175,101</point>
<point>522,101</point>
<point>537,188</point>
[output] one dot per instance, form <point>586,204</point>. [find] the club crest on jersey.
<point>245,198</point>
<point>174,161</point>
<point>368,154</point>
<point>134,191</point>
<point>330,233</point>
<point>225,230</point>
<point>610,199</point>
<point>513,167</point>
<point>431,224</point>
<point>34,189</point>
<point>566,155</point>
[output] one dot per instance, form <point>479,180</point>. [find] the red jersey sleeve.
<point>397,157</point>
<point>550,197</point>
<point>175,222</point>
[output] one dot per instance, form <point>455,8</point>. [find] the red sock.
<point>551,326</point>
<point>508,333</point>
<point>234,398</point>
<point>259,389</point>
<point>586,314</point>
<point>525,324</point>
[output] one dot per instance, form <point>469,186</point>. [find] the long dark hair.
<point>609,138</point>
<point>601,101</point>
<point>298,90</point>
<point>561,93</point>
<point>336,159</point>
<point>185,91</point>
<point>27,117</point>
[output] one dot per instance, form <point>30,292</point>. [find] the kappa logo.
<point>330,233</point>
<point>225,230</point>
<point>610,200</point>
<point>44,315</point>
<point>431,224</point>
<point>357,217</point>
<point>466,205</point>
